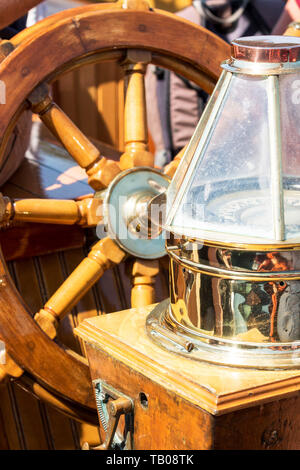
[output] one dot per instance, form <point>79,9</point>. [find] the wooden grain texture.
<point>96,91</point>
<point>62,127</point>
<point>100,171</point>
<point>27,240</point>
<point>31,420</point>
<point>58,431</point>
<point>156,31</point>
<point>110,104</point>
<point>270,426</point>
<point>87,306</point>
<point>103,255</point>
<point>13,423</point>
<point>4,445</point>
<point>166,423</point>
<point>46,211</point>
<point>34,30</point>
<point>53,211</point>
<point>191,404</point>
<point>44,358</point>
<point>50,429</point>
<point>81,36</point>
<point>33,388</point>
<point>55,269</point>
<point>221,389</point>
<point>143,276</point>
<point>135,112</point>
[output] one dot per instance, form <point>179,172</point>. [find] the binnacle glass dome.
<point>239,180</point>
<point>233,217</point>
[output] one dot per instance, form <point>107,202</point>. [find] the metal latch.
<point>111,404</point>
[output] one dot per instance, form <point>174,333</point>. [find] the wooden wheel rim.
<point>22,71</point>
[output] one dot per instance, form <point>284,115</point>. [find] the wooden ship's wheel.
<point>134,35</point>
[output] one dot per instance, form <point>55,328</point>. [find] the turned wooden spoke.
<point>135,112</point>
<point>103,256</point>
<point>85,212</point>
<point>143,273</point>
<point>66,44</point>
<point>100,170</point>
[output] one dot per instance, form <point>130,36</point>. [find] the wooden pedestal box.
<point>185,404</point>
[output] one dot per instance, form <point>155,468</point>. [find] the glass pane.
<point>290,128</point>
<point>230,189</point>
<point>180,174</point>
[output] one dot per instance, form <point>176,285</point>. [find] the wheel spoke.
<point>51,211</point>
<point>103,256</point>
<point>143,273</point>
<point>100,170</point>
<point>135,118</point>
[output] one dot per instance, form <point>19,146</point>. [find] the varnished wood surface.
<point>168,422</point>
<point>216,389</point>
<point>100,171</point>
<point>47,172</point>
<point>131,28</point>
<point>97,91</point>
<point>143,275</point>
<point>28,422</point>
<point>80,36</point>
<point>45,359</point>
<point>27,240</point>
<point>31,179</point>
<point>29,33</point>
<point>157,31</point>
<point>32,424</point>
<point>37,279</point>
<point>191,405</point>
<point>135,112</point>
<point>103,255</point>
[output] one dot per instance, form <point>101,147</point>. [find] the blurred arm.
<point>291,12</point>
<point>12,10</point>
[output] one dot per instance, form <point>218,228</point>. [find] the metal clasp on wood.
<point>111,405</point>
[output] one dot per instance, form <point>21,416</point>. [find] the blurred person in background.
<point>175,104</point>
<point>290,13</point>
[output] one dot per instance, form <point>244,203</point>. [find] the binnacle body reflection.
<point>235,294</point>
<point>235,201</point>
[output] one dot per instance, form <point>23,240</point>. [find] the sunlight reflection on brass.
<point>235,203</point>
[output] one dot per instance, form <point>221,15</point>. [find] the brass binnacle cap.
<point>266,49</point>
